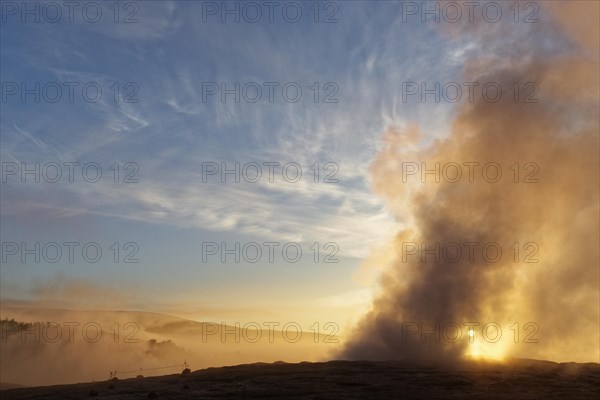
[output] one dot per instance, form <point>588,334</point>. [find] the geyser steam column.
<point>499,256</point>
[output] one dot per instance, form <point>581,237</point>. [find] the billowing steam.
<point>543,207</point>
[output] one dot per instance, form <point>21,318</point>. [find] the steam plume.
<point>559,214</point>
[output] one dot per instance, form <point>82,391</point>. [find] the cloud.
<point>59,291</point>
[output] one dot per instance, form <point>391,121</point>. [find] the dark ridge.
<point>516,379</point>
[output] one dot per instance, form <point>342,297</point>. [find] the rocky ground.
<point>519,379</point>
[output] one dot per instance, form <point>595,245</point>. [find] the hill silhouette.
<point>516,379</point>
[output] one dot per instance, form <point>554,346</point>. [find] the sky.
<point>170,131</point>
<point>170,116</point>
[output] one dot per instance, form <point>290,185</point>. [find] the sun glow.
<point>480,349</point>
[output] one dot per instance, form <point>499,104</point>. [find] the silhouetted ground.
<point>521,379</point>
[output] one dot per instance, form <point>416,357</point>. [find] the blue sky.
<point>168,55</point>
